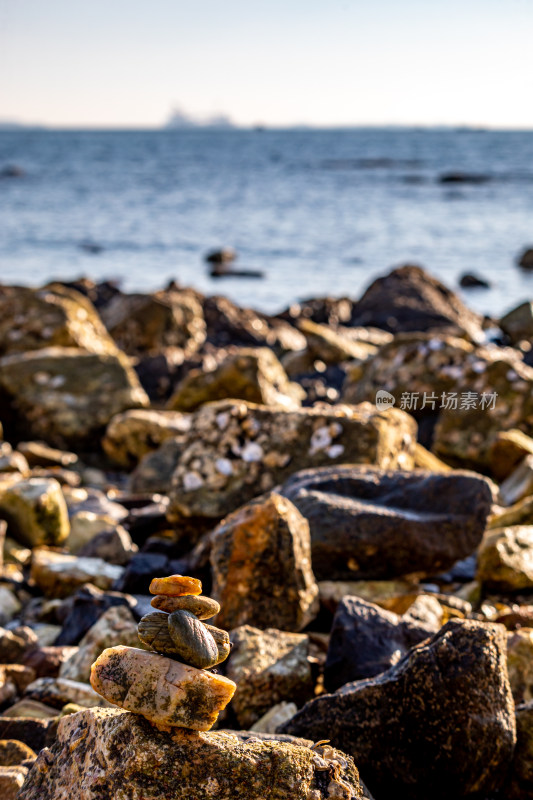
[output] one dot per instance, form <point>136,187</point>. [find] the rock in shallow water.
<point>103,754</point>
<point>368,523</point>
<point>439,724</point>
<point>164,691</point>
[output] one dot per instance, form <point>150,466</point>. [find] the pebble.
<point>202,607</point>
<point>192,640</point>
<point>175,586</point>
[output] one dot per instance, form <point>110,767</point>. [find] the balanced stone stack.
<point>169,684</point>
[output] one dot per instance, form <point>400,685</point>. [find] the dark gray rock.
<point>366,640</point>
<point>439,724</point>
<point>367,523</point>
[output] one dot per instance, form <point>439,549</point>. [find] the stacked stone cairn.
<point>168,683</point>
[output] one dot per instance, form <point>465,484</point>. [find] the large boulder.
<point>110,753</point>
<point>366,640</point>
<point>148,323</point>
<point>438,724</point>
<point>369,523</point>
<point>410,299</point>
<point>261,563</point>
<point>65,396</point>
<point>253,375</point>
<point>53,316</point>
<point>236,450</point>
<point>268,667</point>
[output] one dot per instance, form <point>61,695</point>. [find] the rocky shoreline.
<point>352,484</point>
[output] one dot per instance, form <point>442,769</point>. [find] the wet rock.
<point>53,316</point>
<point>518,484</point>
<point>58,574</point>
<point>253,375</point>
<point>268,667</point>
<point>183,766</point>
<point>228,324</point>
<point>133,434</point>
<point>116,626</point>
<point>519,785</point>
<point>236,450</point>
<point>366,640</point>
<point>410,299</point>
<point>164,691</point>
<point>36,511</point>
<point>526,259</point>
<point>520,664</point>
<point>261,563</point>
<point>147,324</point>
<point>457,738</point>
<point>13,752</point>
<point>508,448</point>
<point>11,781</point>
<point>370,524</point>
<point>66,396</point>
<point>505,558</point>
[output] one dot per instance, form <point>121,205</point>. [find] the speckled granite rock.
<point>439,724</point>
<point>261,564</point>
<point>64,395</point>
<point>367,523</point>
<point>237,450</point>
<point>103,754</point>
<point>167,693</point>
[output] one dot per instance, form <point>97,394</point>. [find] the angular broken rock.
<point>167,693</point>
<point>90,761</point>
<point>438,724</point>
<point>261,562</point>
<point>368,524</point>
<point>237,450</point>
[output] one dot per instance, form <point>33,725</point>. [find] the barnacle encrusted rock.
<point>166,692</point>
<point>112,754</point>
<point>237,450</point>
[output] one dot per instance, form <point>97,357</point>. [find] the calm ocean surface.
<point>320,212</point>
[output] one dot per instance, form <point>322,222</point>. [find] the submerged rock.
<point>261,563</point>
<point>66,396</point>
<point>167,693</point>
<point>438,724</point>
<point>253,375</point>
<point>237,450</point>
<point>368,523</point>
<point>90,761</point>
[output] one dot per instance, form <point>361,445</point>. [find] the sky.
<point>127,63</point>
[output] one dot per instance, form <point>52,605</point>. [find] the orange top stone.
<point>176,586</point>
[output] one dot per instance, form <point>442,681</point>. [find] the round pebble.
<point>176,586</point>
<point>192,641</point>
<point>202,607</point>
